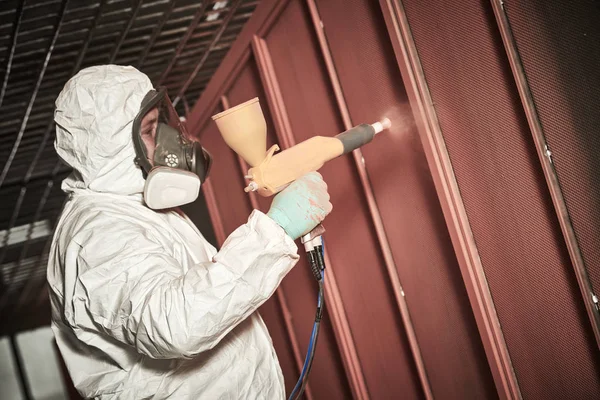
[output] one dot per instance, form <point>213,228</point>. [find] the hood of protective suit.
<point>94,116</point>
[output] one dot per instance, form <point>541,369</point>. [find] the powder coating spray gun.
<point>245,131</point>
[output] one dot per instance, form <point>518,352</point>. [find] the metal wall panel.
<point>422,250</point>
<point>350,241</point>
<point>389,237</point>
<point>558,45</point>
<point>506,198</point>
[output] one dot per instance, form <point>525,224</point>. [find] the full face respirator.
<point>174,166</point>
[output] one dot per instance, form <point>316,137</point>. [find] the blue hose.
<point>313,338</point>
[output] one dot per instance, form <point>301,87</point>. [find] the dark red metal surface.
<point>557,43</point>
<point>406,197</point>
<point>501,182</point>
<point>489,249</point>
<point>545,157</point>
<point>453,207</point>
<point>350,240</point>
<point>372,207</point>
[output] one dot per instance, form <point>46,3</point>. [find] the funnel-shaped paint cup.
<point>244,129</point>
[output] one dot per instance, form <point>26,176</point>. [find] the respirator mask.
<point>179,165</point>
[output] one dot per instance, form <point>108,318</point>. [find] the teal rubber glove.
<point>303,205</point>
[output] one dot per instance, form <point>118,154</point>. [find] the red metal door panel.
<point>327,377</point>
<point>506,198</point>
<point>413,220</point>
<point>350,241</point>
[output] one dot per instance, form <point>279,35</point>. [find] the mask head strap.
<point>151,100</point>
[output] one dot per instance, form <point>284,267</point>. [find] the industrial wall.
<point>459,252</point>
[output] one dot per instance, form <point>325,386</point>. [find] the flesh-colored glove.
<point>303,205</point>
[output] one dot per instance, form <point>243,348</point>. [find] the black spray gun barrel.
<point>361,134</point>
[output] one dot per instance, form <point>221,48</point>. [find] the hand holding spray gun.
<point>245,131</point>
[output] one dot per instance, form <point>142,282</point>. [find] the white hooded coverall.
<point>143,307</point>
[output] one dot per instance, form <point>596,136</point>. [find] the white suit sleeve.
<point>128,288</point>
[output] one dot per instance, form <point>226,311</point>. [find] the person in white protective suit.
<point>142,305</point>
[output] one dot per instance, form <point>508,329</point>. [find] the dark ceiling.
<point>178,43</point>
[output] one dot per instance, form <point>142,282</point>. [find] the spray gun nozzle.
<point>386,123</point>
<point>379,126</point>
